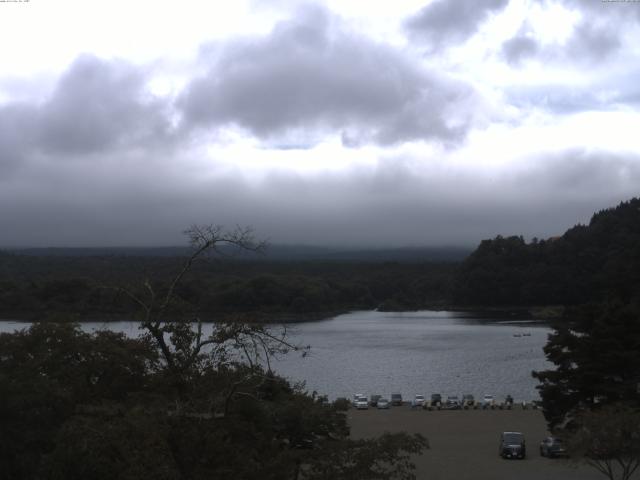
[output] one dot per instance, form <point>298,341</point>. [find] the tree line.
<point>587,263</point>
<point>54,287</point>
<point>591,397</point>
<point>173,403</point>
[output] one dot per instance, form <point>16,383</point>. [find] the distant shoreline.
<point>537,313</point>
<point>248,317</point>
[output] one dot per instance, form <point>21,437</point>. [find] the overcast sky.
<point>341,122</point>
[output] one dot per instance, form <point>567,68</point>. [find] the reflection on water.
<point>424,352</point>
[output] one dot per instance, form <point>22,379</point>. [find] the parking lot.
<point>464,443</point>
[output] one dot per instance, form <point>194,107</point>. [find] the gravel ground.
<point>464,443</point>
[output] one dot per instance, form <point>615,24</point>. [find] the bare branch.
<point>133,297</point>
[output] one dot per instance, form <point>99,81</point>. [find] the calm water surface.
<point>425,352</point>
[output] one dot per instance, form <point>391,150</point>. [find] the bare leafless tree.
<point>182,344</point>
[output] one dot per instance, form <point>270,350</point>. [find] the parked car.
<point>468,401</point>
<point>452,403</point>
<point>435,399</point>
<point>488,401</point>
<point>383,403</point>
<point>418,401</point>
<point>361,403</point>
<point>374,400</point>
<point>512,445</point>
<point>396,399</point>
<point>552,447</point>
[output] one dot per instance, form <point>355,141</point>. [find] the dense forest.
<point>49,287</point>
<point>588,263</point>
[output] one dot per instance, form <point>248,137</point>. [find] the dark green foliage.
<point>75,406</point>
<point>47,373</point>
<point>385,458</point>
<point>586,264</point>
<point>596,350</point>
<point>608,439</point>
<point>64,287</point>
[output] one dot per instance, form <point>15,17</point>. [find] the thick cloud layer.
<point>395,203</point>
<point>314,132</point>
<point>16,134</point>
<point>96,106</point>
<point>310,76</point>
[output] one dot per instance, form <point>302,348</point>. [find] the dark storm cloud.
<point>399,202</point>
<point>445,22</point>
<point>96,106</point>
<point>311,76</point>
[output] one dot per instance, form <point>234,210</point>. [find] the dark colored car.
<point>468,401</point>
<point>396,399</point>
<point>552,447</point>
<point>512,445</point>
<point>452,403</point>
<point>436,398</point>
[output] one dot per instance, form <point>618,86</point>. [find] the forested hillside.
<point>586,264</point>
<point>41,287</point>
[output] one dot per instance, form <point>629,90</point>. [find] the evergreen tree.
<point>596,351</point>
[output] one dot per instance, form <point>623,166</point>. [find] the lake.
<point>423,352</point>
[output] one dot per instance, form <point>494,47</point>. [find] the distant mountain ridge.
<point>273,253</point>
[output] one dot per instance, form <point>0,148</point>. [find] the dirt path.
<point>464,443</point>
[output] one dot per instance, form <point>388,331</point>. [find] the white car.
<point>418,401</point>
<point>361,402</point>
<point>488,401</point>
<point>383,403</point>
